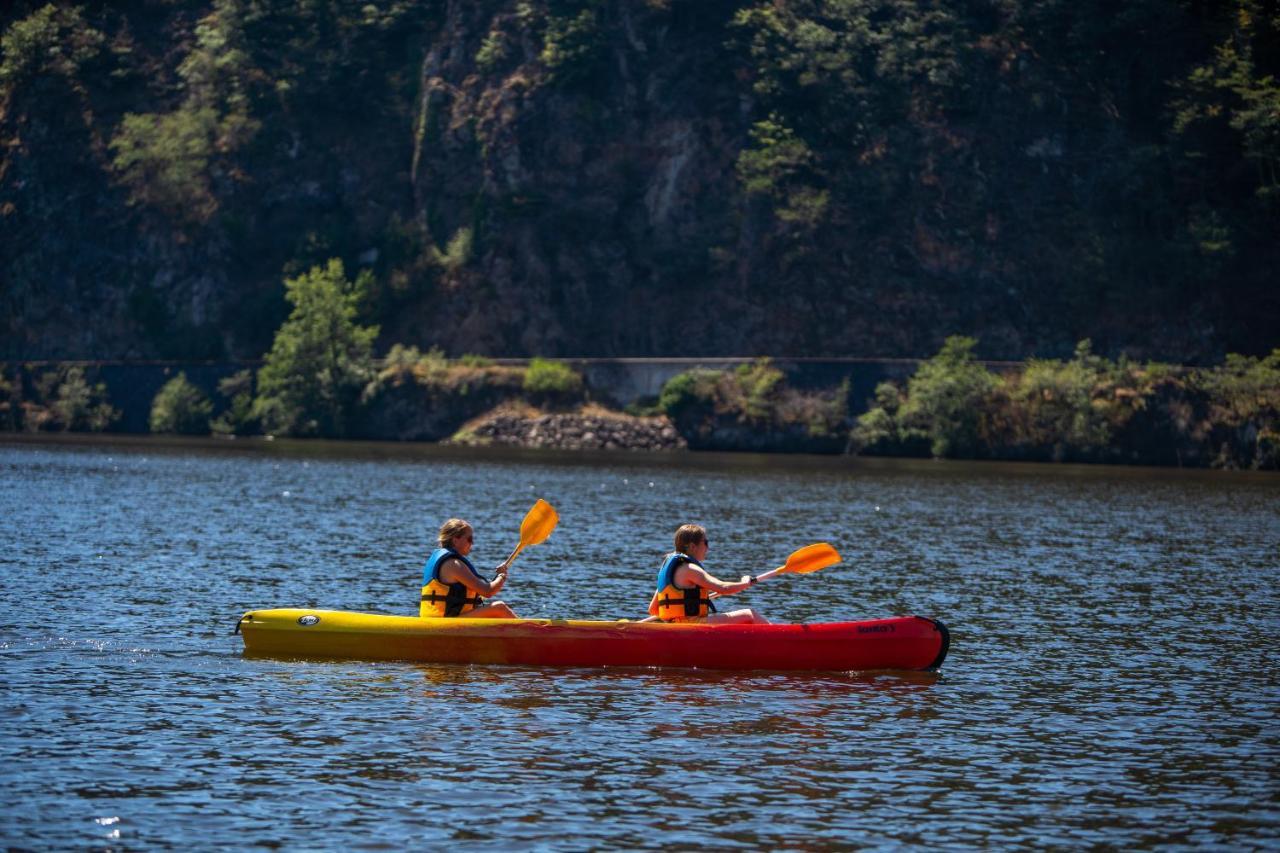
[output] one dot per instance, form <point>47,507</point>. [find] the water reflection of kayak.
<point>901,642</point>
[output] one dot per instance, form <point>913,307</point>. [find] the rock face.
<point>619,179</point>
<point>578,431</point>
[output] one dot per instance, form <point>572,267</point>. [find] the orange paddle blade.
<point>810,558</point>
<point>538,523</point>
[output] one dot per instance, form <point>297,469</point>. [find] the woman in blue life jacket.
<point>451,586</point>
<point>684,587</point>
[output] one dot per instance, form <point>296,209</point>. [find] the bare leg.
<point>492,610</point>
<point>745,616</point>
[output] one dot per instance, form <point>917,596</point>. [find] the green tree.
<point>321,358</point>
<point>238,417</point>
<point>181,407</point>
<point>49,41</point>
<point>164,160</point>
<point>1229,108</point>
<point>72,403</point>
<point>172,161</point>
<point>573,47</point>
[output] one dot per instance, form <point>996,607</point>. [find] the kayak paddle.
<point>536,527</point>
<point>810,558</point>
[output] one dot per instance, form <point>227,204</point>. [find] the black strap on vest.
<point>692,600</point>
<point>455,600</point>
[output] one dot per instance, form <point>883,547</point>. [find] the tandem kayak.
<point>901,642</point>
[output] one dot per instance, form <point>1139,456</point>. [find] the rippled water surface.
<point>1110,681</point>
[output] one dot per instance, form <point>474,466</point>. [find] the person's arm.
<point>453,571</point>
<point>653,604</point>
<point>690,574</point>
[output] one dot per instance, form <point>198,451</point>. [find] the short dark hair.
<point>689,534</point>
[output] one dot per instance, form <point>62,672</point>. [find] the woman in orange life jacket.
<point>451,586</point>
<point>684,586</point>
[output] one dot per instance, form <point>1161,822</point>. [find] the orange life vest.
<point>446,599</point>
<point>676,603</point>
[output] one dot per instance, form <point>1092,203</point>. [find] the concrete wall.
<point>626,380</point>
<point>131,386</point>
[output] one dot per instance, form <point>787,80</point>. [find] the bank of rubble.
<point>589,428</point>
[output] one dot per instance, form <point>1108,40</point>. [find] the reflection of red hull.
<point>902,642</point>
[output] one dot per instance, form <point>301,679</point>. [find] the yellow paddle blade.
<point>810,558</point>
<point>538,523</point>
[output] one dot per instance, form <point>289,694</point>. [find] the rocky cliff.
<point>668,177</point>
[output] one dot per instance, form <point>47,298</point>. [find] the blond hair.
<point>452,529</point>
<point>689,534</point>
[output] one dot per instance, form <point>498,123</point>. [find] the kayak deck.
<point>900,642</point>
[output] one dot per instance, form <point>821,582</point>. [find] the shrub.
<point>880,430</point>
<point>473,360</point>
<point>181,407</point>
<point>751,408</point>
<point>552,381</point>
<point>573,47</point>
<point>946,398</point>
<point>1244,410</point>
<point>644,407</point>
<point>755,390</point>
<point>493,51</point>
<point>1243,389</point>
<point>409,364</point>
<point>1062,404</point>
<point>10,400</point>
<point>457,254</point>
<point>688,391</point>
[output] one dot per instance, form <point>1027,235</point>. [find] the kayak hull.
<point>901,642</point>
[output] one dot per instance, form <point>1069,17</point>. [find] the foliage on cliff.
<point>1085,409</point>
<point>753,408</point>
<point>605,177</point>
<point>420,396</point>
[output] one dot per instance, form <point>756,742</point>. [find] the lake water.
<point>1110,680</point>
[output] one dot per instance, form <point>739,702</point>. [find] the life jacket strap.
<point>673,602</point>
<point>434,597</point>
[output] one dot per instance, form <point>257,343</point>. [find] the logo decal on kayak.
<point>308,620</point>
<point>876,629</point>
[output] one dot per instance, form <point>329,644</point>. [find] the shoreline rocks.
<point>588,430</point>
